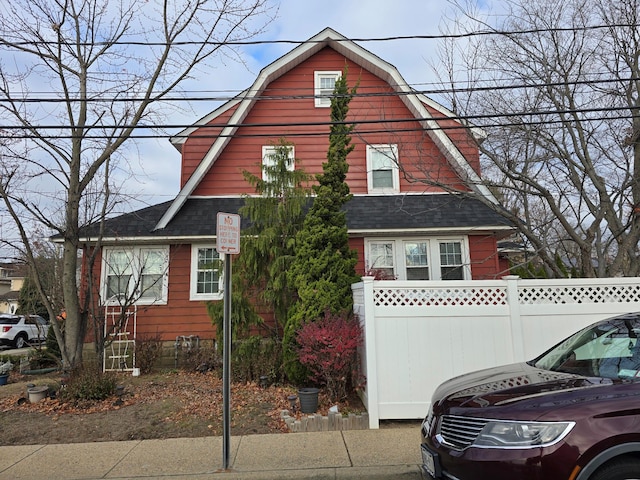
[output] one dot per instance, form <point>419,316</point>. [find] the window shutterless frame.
<point>324,85</point>
<point>206,279</point>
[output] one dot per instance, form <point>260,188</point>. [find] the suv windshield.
<point>608,349</point>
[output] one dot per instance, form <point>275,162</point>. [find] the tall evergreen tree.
<point>30,301</point>
<point>267,246</point>
<point>275,216</point>
<point>324,267</point>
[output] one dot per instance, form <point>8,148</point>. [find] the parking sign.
<point>228,233</point>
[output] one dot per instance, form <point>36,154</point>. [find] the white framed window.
<point>383,174</point>
<point>451,262</point>
<point>416,256</point>
<point>324,85</point>
<point>206,273</point>
<point>269,159</point>
<point>382,258</point>
<point>420,258</point>
<point>135,275</point>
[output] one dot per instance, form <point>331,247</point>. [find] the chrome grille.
<point>460,432</point>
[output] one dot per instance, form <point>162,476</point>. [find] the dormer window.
<point>325,83</point>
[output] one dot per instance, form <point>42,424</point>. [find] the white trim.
<point>181,137</point>
<point>362,57</point>
<point>320,98</point>
<point>134,253</point>
<point>432,231</point>
<point>193,276</point>
<point>433,254</point>
<point>392,148</point>
<point>270,150</point>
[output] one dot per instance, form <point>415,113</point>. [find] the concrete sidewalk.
<point>387,453</point>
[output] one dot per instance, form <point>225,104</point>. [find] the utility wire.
<point>293,133</point>
<point>273,93</point>
<point>441,36</point>
<point>464,123</point>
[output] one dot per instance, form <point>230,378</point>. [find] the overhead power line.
<point>274,95</point>
<point>298,133</point>
<point>441,36</point>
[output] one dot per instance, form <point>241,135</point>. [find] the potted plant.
<point>5,368</point>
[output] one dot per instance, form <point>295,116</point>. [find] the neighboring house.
<point>401,226</point>
<point>12,277</point>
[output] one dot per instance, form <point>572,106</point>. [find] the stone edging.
<point>320,423</point>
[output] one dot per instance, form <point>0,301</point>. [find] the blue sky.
<point>299,20</point>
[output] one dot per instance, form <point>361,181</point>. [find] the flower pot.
<point>308,399</point>
<point>37,393</point>
<point>4,378</point>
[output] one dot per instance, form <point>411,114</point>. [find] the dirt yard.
<point>161,405</point>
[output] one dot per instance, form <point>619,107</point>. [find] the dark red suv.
<point>572,414</point>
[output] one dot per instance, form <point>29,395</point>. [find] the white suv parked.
<point>20,330</point>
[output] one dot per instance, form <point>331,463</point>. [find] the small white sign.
<point>228,233</point>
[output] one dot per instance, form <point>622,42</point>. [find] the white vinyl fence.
<point>419,334</point>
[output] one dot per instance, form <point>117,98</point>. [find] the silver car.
<point>21,330</point>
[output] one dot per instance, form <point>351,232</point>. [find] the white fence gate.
<point>419,334</point>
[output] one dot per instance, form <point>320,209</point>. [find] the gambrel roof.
<point>416,104</point>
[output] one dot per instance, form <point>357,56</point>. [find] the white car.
<point>21,330</point>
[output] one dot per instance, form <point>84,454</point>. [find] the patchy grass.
<point>159,405</point>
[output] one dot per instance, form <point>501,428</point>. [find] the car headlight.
<point>505,434</point>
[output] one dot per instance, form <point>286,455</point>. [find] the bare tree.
<point>77,77</point>
<point>556,87</point>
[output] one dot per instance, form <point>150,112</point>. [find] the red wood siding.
<point>485,263</point>
<point>180,316</point>
<point>419,157</point>
<point>358,245</point>
<point>460,137</point>
<point>199,143</point>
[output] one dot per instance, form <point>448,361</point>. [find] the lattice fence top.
<point>458,296</point>
<point>579,294</point>
<point>488,295</point>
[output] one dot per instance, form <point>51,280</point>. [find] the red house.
<point>400,220</point>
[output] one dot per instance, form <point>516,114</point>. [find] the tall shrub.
<point>324,266</point>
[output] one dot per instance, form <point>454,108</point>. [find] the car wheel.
<point>20,341</point>
<point>623,469</point>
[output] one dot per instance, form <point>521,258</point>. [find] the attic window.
<point>325,84</point>
<point>270,160</point>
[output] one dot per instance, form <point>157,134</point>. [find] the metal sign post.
<point>227,243</point>
<point>226,365</point>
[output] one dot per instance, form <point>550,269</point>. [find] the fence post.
<point>371,354</point>
<point>515,319</point>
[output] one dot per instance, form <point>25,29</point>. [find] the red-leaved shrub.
<point>329,349</point>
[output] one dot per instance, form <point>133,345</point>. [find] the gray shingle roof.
<point>364,213</point>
